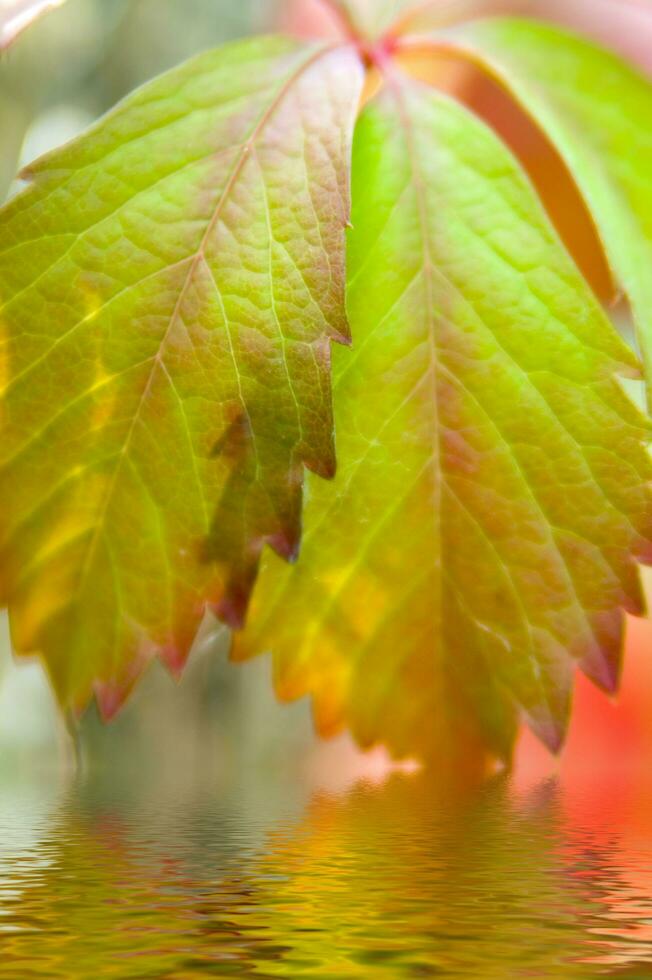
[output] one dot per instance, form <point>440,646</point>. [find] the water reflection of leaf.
<point>404,879</point>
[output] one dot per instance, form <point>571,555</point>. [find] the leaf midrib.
<point>395,84</point>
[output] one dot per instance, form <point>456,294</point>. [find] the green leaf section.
<point>492,490</point>
<point>597,110</point>
<point>169,288</point>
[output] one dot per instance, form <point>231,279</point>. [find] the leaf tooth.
<point>324,465</point>
<point>603,668</point>
<point>175,653</point>
<point>341,336</point>
<point>287,545</point>
<point>549,730</point>
<point>110,698</point>
<point>232,608</point>
<point>602,661</point>
<point>110,695</point>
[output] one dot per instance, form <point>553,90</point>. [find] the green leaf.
<point>170,285</point>
<point>16,15</point>
<point>597,110</point>
<point>491,495</point>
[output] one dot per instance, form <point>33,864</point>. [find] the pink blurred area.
<point>603,784</point>
<point>623,25</point>
<point>309,18</point>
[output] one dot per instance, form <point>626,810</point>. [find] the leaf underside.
<point>170,285</point>
<point>491,497</point>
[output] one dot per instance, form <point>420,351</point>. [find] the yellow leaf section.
<point>169,288</point>
<point>492,494</point>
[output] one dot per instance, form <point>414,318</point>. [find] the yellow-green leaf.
<point>492,490</point>
<point>169,287</point>
<point>597,110</point>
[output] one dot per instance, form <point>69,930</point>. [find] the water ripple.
<point>399,880</point>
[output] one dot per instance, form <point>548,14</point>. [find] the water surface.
<point>255,876</point>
